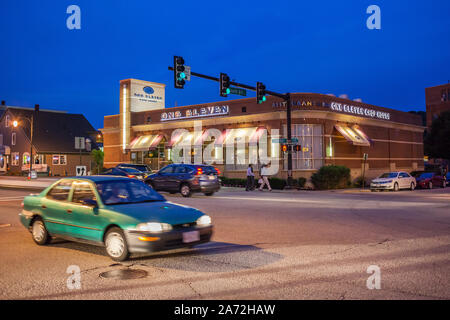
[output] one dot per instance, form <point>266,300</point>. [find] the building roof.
<point>55,132</point>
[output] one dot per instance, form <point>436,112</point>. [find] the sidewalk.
<point>12,182</point>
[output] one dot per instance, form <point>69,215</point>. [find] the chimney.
<point>36,107</point>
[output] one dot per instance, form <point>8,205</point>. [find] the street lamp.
<point>30,120</point>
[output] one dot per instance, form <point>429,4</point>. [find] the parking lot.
<point>278,245</point>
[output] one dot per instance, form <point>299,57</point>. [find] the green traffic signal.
<point>228,90</point>
<point>264,98</point>
<point>182,75</point>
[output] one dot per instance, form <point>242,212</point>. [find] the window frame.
<point>13,138</point>
<point>91,186</point>
<point>69,195</point>
<point>59,159</point>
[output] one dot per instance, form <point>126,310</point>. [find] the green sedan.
<point>124,215</point>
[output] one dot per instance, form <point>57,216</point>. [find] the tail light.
<point>22,205</point>
<point>199,171</point>
<point>218,171</point>
<point>131,176</point>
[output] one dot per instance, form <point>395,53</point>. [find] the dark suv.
<point>141,167</point>
<point>186,179</point>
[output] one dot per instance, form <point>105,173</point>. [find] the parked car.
<point>123,215</point>
<point>186,179</point>
<point>140,167</point>
<point>125,172</point>
<point>393,181</point>
<point>430,180</point>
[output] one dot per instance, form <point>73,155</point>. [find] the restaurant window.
<point>13,139</point>
<point>26,158</point>
<point>310,138</point>
<point>59,159</point>
<point>15,159</point>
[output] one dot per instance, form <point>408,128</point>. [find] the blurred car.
<point>429,180</point>
<point>123,215</point>
<point>415,174</point>
<point>186,179</point>
<point>393,181</point>
<point>140,167</point>
<point>125,172</point>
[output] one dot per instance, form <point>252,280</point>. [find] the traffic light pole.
<point>286,97</point>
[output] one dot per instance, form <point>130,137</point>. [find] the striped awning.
<point>145,143</point>
<point>354,135</point>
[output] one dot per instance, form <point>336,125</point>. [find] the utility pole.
<point>178,61</point>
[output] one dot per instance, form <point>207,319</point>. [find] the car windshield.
<point>389,175</point>
<point>426,175</point>
<point>130,170</point>
<point>126,191</point>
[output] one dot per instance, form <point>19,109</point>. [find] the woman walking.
<point>264,177</point>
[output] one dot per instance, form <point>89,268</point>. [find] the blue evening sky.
<point>291,46</point>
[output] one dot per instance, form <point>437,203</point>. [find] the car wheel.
<point>412,186</point>
<point>396,187</point>
<point>39,232</point>
<point>116,245</point>
<point>209,194</point>
<point>430,185</point>
<point>185,190</point>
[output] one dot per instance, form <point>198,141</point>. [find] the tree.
<point>437,142</point>
<point>98,156</point>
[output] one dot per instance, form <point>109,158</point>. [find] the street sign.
<point>81,171</point>
<point>282,140</point>
<point>238,91</point>
<point>33,174</point>
<point>79,143</point>
<point>187,72</point>
<point>294,140</point>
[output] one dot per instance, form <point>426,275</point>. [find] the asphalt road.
<point>279,245</point>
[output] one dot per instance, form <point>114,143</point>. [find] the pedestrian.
<point>264,178</point>
<point>250,179</point>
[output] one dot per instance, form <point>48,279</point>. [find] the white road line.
<point>11,199</point>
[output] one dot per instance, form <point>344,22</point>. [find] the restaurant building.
<point>437,101</point>
<point>231,134</point>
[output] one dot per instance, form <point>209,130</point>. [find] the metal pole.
<point>31,143</point>
<point>289,137</point>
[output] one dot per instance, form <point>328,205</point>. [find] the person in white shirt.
<point>250,179</point>
<point>264,178</point>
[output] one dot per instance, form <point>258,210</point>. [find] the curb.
<point>30,188</point>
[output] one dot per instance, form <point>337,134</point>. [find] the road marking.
<point>5,199</point>
<point>4,225</point>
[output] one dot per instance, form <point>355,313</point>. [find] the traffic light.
<point>284,148</point>
<point>224,85</point>
<point>260,93</point>
<point>178,72</point>
<point>298,148</point>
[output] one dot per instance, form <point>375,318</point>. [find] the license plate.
<point>212,177</point>
<point>191,236</point>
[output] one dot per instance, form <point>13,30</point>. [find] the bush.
<point>233,182</point>
<point>331,177</point>
<point>277,183</point>
<point>359,182</point>
<point>301,182</point>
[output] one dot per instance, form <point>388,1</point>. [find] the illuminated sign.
<point>338,107</point>
<point>195,113</point>
<point>146,95</point>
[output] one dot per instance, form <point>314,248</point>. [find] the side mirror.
<point>90,203</point>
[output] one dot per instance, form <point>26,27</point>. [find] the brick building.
<point>437,100</point>
<point>330,130</point>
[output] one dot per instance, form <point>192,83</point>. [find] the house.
<point>53,141</point>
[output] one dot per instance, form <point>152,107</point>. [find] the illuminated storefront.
<point>231,134</point>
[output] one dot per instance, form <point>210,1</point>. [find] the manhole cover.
<point>124,274</point>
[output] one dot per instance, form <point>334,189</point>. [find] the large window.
<point>26,158</point>
<point>15,159</point>
<point>59,159</point>
<point>310,138</point>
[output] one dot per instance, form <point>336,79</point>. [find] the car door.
<point>85,220</point>
<point>161,179</point>
<point>404,180</point>
<point>54,207</point>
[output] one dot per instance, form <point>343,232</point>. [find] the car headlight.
<point>204,221</point>
<point>154,227</point>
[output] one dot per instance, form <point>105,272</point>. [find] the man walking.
<point>250,179</point>
<point>264,177</point>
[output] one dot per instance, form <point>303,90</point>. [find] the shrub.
<point>331,177</point>
<point>301,182</point>
<point>277,183</point>
<point>359,182</point>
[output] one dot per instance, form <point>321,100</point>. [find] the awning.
<point>354,135</point>
<point>145,143</point>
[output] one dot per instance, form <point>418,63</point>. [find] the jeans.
<point>250,183</point>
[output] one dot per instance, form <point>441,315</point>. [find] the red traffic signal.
<point>298,148</point>
<point>284,147</point>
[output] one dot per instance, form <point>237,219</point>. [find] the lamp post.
<point>31,121</point>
